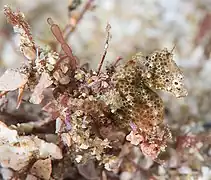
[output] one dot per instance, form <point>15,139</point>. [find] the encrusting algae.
<point>94,112</point>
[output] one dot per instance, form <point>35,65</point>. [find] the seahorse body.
<point>135,83</point>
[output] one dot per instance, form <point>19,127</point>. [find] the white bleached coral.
<point>18,151</point>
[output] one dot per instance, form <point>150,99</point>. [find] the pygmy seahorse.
<point>135,84</point>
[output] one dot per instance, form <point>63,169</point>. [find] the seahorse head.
<point>161,72</point>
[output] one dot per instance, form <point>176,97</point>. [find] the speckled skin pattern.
<point>136,82</point>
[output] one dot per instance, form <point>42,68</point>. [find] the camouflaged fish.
<point>135,83</point>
